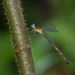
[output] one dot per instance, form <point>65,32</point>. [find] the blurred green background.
<point>61,13</point>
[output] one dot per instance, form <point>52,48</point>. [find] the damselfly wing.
<point>51,28</point>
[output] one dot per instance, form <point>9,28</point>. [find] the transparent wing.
<point>51,28</point>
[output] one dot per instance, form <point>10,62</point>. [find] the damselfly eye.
<point>33,25</point>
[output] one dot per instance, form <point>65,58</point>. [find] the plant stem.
<point>20,39</point>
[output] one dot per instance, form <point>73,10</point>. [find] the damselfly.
<point>51,28</point>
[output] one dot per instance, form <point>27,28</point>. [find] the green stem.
<point>20,39</point>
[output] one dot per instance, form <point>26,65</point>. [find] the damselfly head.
<point>33,25</point>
